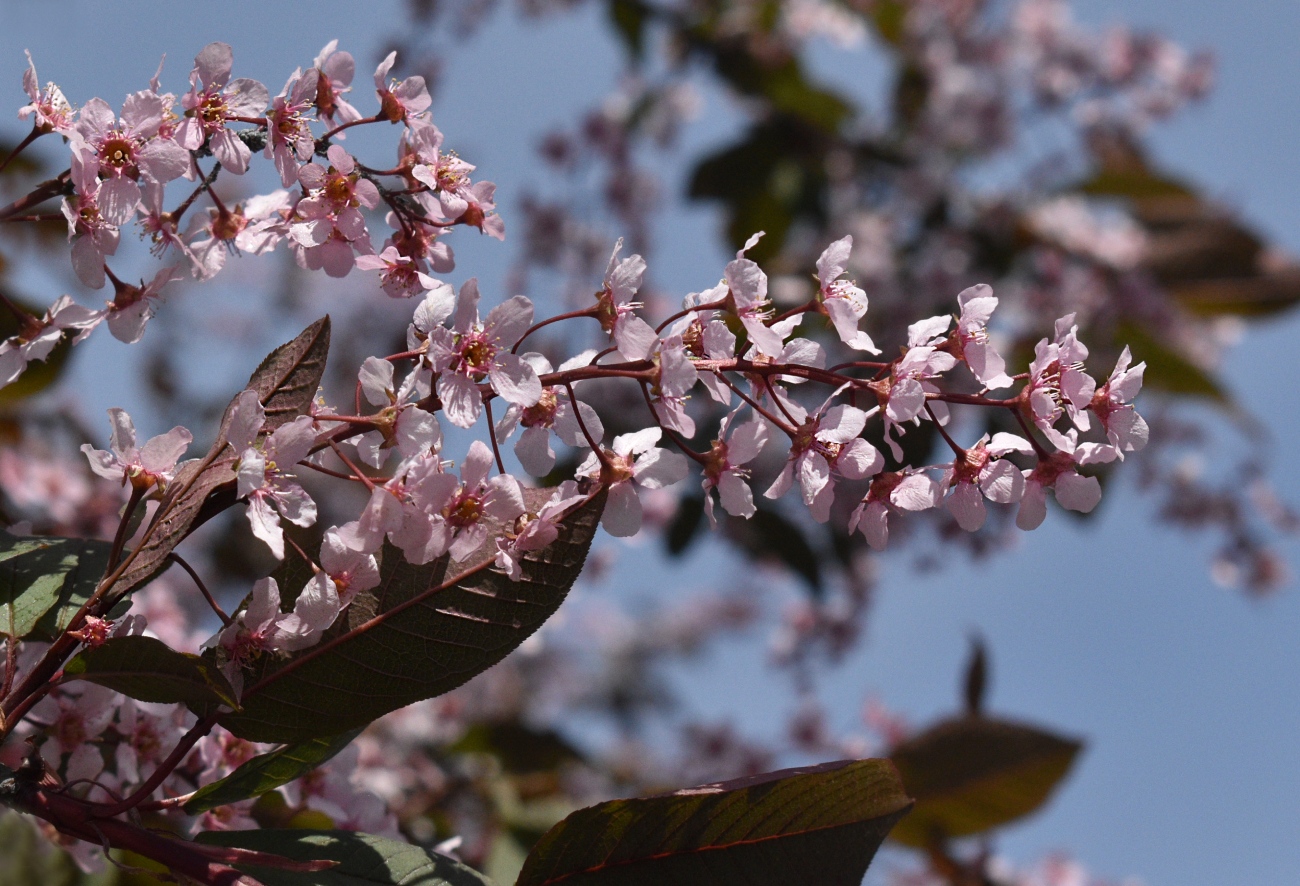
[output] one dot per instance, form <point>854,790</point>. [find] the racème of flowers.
<point>727,351</point>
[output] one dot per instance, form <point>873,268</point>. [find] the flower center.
<point>617,468</point>
<point>338,188</point>
<point>477,352</point>
<point>212,111</point>
<point>465,511</point>
<point>541,413</point>
<point>117,151</point>
<point>227,225</point>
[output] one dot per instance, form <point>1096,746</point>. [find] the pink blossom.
<point>1058,472</point>
<point>676,377</point>
<point>159,224</point>
<point>747,298</point>
<point>633,461</point>
<point>125,150</point>
<point>92,235</point>
<point>971,338</point>
<point>330,224</point>
<point>472,350</point>
<point>37,339</point>
<point>456,510</point>
<point>132,306</point>
<point>824,445</point>
<point>333,789</point>
<point>289,138</point>
<point>718,343</point>
<point>1057,383</point>
<point>981,473</point>
<point>262,628</point>
<point>906,490</point>
<point>421,146</point>
<point>1113,405</point>
<point>269,219</point>
<point>384,511</point>
<point>349,570</point>
<point>904,392</point>
<point>532,532</point>
<point>334,72</point>
<point>480,210</point>
<point>76,719</point>
<point>724,469</point>
<point>842,300</point>
<point>401,277</point>
<point>149,732</point>
<point>446,175</point>
<point>214,99</point>
<point>553,411</point>
<point>263,470</point>
<point>51,109</point>
<point>421,242</point>
<point>151,465</point>
<point>434,310</point>
<point>401,424</point>
<point>400,102</point>
<point>633,337</point>
<point>222,228</point>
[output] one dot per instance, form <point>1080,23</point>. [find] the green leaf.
<point>363,859</point>
<point>1258,296</point>
<point>889,18</point>
<point>16,545</point>
<point>521,749</point>
<point>773,176</point>
<point>286,382</point>
<point>1134,183</point>
<point>27,858</point>
<point>147,669</point>
<point>44,581</point>
<point>423,631</point>
<point>971,774</point>
<point>266,772</point>
<point>629,19</point>
<point>819,824</point>
<point>782,83</point>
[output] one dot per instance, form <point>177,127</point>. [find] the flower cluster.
<point>121,165</point>
<point>739,393</point>
<point>458,364</point>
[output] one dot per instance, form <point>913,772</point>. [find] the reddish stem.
<point>585,312</point>
<point>672,435</point>
<point>32,136</point>
<point>711,306</point>
<point>492,435</point>
<point>164,769</point>
<point>203,589</point>
<point>342,126</point>
<point>38,195</point>
<point>577,413</point>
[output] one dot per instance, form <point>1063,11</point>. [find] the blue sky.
<point>1187,694</point>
